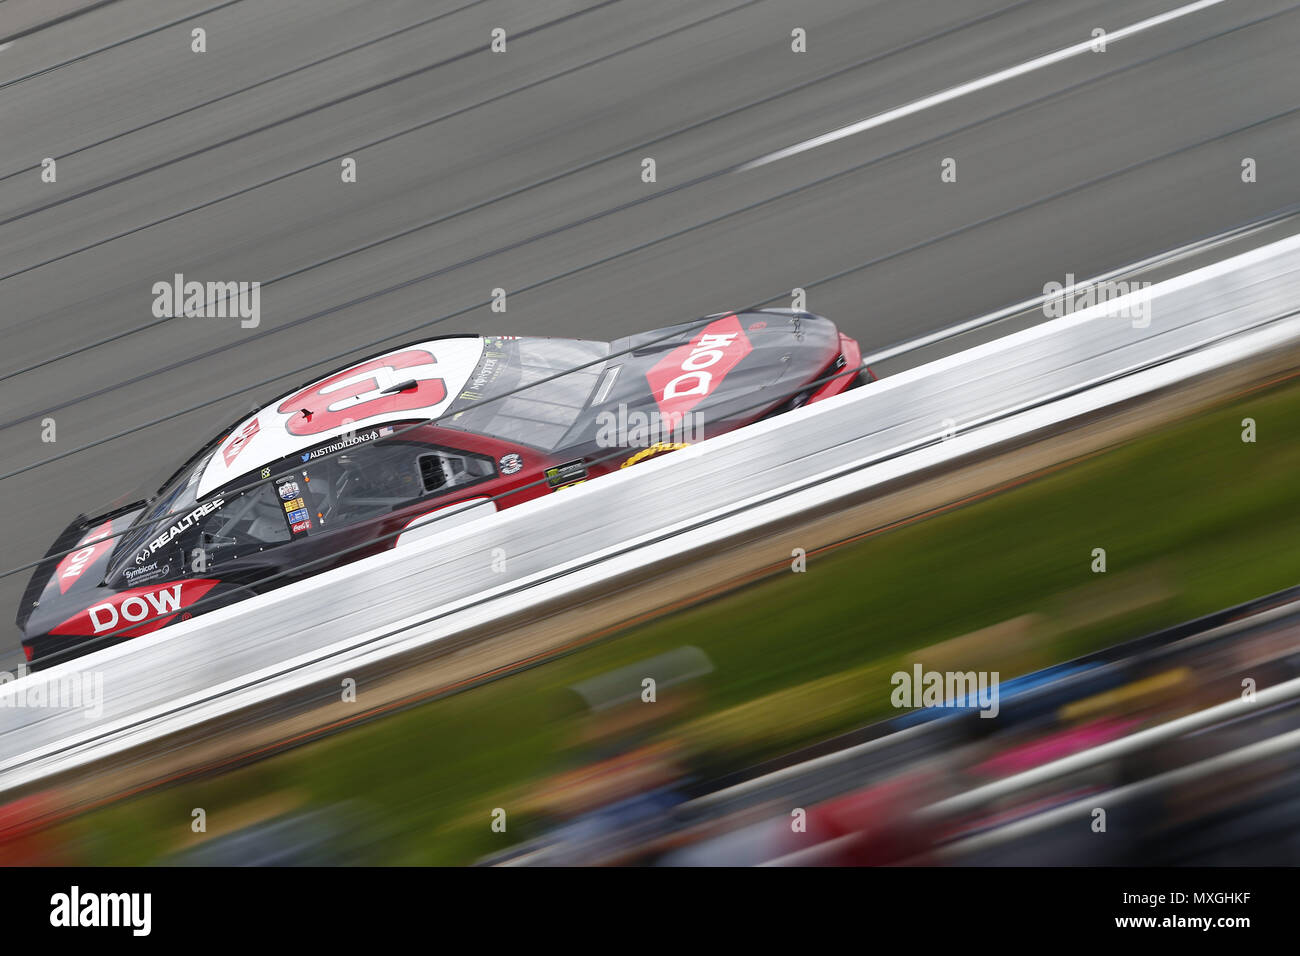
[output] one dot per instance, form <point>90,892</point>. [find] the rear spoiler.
<point>66,541</point>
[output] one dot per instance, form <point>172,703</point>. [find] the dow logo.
<point>690,373</point>
<point>148,607</point>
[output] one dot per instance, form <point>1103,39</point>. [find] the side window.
<point>374,480</point>
<point>245,524</point>
<point>443,469</point>
<point>367,482</point>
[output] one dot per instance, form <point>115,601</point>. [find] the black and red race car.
<point>450,428</point>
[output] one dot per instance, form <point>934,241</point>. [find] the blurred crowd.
<point>660,785</point>
<point>885,795</point>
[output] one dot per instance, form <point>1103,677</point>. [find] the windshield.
<point>172,504</point>
<point>541,415</point>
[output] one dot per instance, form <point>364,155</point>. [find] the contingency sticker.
<point>295,506</point>
<point>566,474</point>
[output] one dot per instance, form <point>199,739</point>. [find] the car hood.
<point>737,368</point>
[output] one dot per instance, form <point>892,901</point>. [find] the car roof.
<point>360,396</point>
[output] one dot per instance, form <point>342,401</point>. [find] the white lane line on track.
<point>1166,258</point>
<point>935,99</point>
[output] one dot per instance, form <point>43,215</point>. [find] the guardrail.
<point>336,623</point>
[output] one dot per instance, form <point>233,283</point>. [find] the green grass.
<point>1192,519</point>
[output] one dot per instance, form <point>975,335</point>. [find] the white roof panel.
<point>348,400</point>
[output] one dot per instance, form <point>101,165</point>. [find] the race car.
<point>406,443</point>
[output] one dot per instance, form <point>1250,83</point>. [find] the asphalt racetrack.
<point>523,171</point>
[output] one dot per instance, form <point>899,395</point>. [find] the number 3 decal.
<point>357,393</point>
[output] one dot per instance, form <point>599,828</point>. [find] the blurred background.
<point>738,711</point>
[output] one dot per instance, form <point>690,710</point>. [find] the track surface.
<point>224,166</point>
